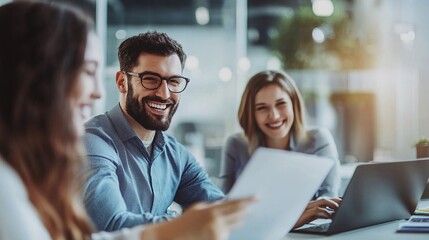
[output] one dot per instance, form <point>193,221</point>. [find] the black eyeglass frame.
<point>167,79</point>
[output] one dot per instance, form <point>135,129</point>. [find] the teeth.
<point>157,106</point>
<point>274,125</point>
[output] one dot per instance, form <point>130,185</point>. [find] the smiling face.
<point>88,85</point>
<point>274,115</point>
<point>152,109</point>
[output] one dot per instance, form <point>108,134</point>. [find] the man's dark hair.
<point>150,42</point>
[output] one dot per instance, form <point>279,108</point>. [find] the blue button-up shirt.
<point>128,186</point>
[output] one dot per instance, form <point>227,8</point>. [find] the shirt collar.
<point>122,126</point>
<point>124,129</point>
<point>292,143</point>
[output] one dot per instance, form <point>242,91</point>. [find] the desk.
<point>380,231</point>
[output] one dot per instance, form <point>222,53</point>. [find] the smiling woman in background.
<point>271,114</point>
<point>48,65</point>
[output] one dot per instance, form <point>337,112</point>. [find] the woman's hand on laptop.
<point>321,208</point>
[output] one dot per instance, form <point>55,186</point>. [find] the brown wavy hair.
<point>246,112</point>
<point>42,51</point>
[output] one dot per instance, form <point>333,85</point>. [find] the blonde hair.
<point>246,112</point>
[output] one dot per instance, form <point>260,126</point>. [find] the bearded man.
<point>137,170</point>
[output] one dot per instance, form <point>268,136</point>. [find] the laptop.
<point>377,193</point>
<point>283,182</point>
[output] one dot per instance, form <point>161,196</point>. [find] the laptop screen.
<point>380,192</point>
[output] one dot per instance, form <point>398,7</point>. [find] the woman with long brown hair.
<point>48,77</point>
<point>271,114</point>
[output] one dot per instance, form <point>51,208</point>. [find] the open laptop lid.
<point>284,182</point>
<point>381,192</point>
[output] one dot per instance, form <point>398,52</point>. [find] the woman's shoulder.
<point>11,185</point>
<point>319,134</point>
<point>9,180</point>
<point>16,208</point>
<point>236,141</point>
<point>316,138</point>
<point>321,142</point>
<point>237,138</point>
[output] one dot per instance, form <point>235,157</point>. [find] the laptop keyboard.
<point>320,228</point>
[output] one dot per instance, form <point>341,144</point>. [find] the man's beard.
<point>148,120</point>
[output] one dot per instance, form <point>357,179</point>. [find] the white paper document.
<point>284,182</point>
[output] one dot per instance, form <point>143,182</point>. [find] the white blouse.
<point>19,219</point>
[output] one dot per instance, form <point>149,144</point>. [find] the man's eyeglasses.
<point>152,81</point>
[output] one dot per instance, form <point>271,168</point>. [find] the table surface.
<point>380,231</point>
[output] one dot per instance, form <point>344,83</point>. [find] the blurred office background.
<point>361,65</point>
